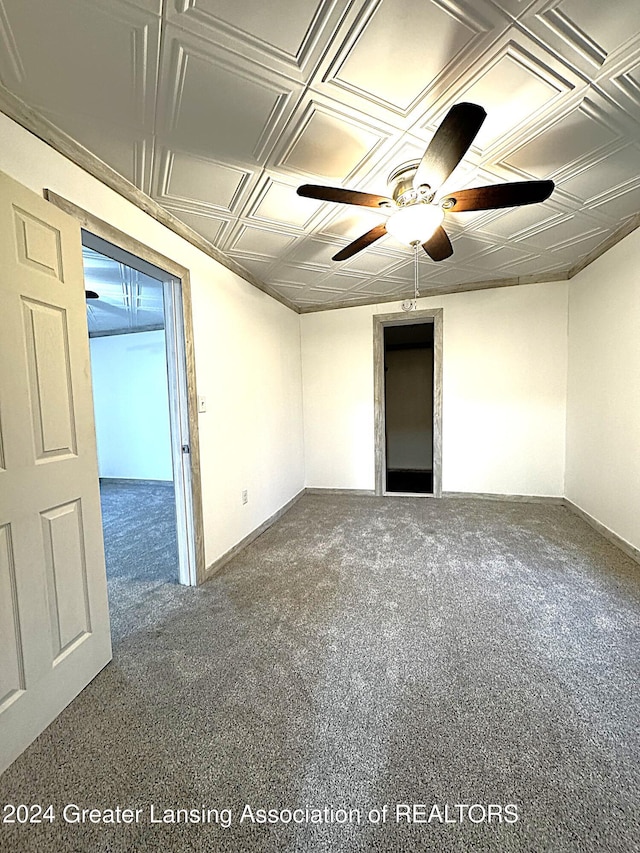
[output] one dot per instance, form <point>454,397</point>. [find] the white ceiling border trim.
<point>64,144</point>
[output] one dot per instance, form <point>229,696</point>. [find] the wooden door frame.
<point>380,322</point>
<point>192,500</point>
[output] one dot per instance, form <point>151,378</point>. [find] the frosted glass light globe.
<point>414,223</point>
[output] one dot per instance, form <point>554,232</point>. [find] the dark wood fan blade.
<point>498,195</point>
<point>344,196</point>
<point>361,243</point>
<point>450,143</point>
<point>438,246</point>
<point>91,294</point>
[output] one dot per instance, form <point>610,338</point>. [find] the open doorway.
<point>127,342</point>
<point>408,403</point>
<point>141,388</point>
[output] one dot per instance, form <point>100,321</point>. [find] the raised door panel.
<point>12,680</point>
<point>47,343</point>
<point>66,569</point>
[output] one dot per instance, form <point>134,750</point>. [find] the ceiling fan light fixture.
<point>415,223</point>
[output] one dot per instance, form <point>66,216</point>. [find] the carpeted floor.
<point>141,551</point>
<point>365,653</point>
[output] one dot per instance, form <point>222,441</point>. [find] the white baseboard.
<point>616,540</point>
<point>231,553</point>
<point>367,493</point>
<point>494,496</point>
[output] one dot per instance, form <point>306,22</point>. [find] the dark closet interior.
<point>408,371</point>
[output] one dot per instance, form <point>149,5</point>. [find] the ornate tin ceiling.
<point>219,109</point>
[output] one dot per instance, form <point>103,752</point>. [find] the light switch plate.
<point>202,404</point>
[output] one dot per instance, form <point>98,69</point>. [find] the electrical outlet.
<point>245,496</point>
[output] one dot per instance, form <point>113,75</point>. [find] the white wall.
<point>247,349</point>
<point>131,405</point>
<point>504,391</point>
<point>603,403</point>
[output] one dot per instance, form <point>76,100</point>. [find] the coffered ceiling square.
<point>329,144</point>
<point>312,251</point>
<point>394,35</point>
<point>288,273</point>
<point>620,205</point>
<point>186,179</point>
<point>82,58</point>
<point>214,102</point>
<point>593,27</point>
<point>605,173</point>
<point>211,228</point>
<point>560,233</point>
<point>372,263</point>
<point>517,222</point>
<point>575,136</point>
<point>260,22</point>
<point>278,202</point>
<point>512,88</point>
<point>256,30</point>
<point>250,240</point>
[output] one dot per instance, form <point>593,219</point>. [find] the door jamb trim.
<point>111,234</point>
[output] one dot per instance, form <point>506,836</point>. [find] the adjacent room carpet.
<point>363,653</point>
<point>140,544</point>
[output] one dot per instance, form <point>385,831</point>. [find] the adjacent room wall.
<point>247,349</point>
<point>131,405</point>
<point>504,391</point>
<point>603,401</point>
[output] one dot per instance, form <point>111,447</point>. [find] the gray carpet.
<point>140,544</point>
<point>367,652</point>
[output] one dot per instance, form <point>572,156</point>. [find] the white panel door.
<point>54,616</point>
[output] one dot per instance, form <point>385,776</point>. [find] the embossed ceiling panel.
<point>279,203</point>
<point>576,135</point>
<point>291,36</point>
<point>597,28</point>
<point>214,103</point>
<point>251,240</point>
<point>210,227</point>
<point>193,180</point>
<point>620,205</point>
<point>512,89</point>
<point>81,58</point>
<point>328,144</point>
<point>220,109</point>
<point>259,21</point>
<point>611,171</point>
<point>399,35</point>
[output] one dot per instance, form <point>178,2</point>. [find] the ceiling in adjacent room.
<point>128,300</point>
<point>219,109</point>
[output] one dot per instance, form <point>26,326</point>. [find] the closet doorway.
<point>408,403</point>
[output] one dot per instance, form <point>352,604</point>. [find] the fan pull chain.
<point>416,292</point>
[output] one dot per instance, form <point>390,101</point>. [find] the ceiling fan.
<point>415,215</point>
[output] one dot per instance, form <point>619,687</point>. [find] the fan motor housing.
<point>401,187</point>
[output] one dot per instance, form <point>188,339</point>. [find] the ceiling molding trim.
<point>620,233</point>
<point>107,333</point>
<point>30,120</point>
<point>441,290</point>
